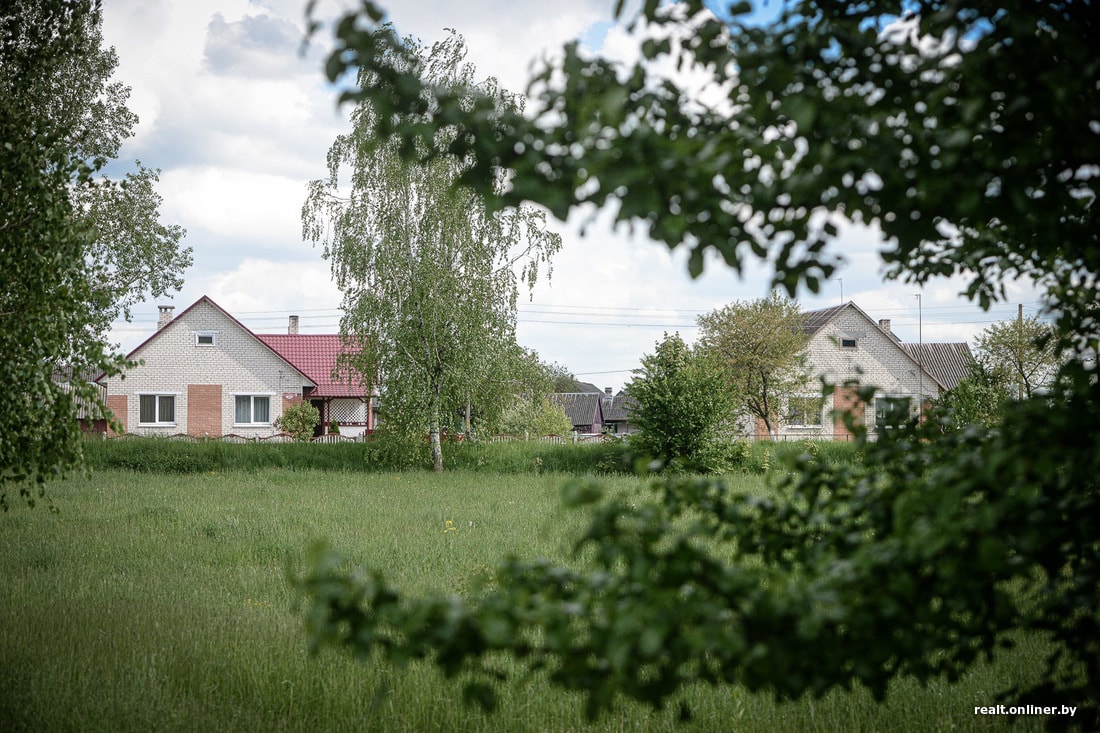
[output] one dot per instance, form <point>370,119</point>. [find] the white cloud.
<point>254,209</point>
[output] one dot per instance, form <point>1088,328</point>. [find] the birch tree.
<point>430,277</point>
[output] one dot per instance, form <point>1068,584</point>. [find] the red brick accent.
<point>116,403</point>
<point>204,409</point>
<point>845,398</point>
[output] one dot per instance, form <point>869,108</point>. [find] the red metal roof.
<point>315,356</point>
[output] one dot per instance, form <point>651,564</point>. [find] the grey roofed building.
<point>584,409</point>
<point>949,363</point>
<point>616,412</point>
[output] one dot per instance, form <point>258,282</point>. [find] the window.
<point>205,338</point>
<point>252,410</point>
<point>804,411</point>
<point>157,409</point>
<point>891,411</point>
<point>847,343</point>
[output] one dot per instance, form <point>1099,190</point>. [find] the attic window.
<point>847,343</point>
<point>205,338</point>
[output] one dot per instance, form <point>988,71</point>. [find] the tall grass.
<point>161,602</point>
<point>384,454</point>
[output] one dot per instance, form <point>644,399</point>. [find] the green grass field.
<point>151,602</point>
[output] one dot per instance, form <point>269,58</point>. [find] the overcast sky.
<point>238,121</point>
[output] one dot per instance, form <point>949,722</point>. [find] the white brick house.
<point>203,373</point>
<point>846,344</point>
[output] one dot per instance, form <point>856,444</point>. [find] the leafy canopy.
<point>1021,355</point>
<point>77,249</point>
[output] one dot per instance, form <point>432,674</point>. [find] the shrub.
<point>299,419</point>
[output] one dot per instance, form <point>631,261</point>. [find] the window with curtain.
<point>252,409</point>
<point>891,411</point>
<point>156,409</point>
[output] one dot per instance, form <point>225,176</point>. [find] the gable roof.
<point>315,355</point>
<point>619,407</point>
<point>584,388</point>
<point>814,321</point>
<point>582,408</point>
<point>949,363</point>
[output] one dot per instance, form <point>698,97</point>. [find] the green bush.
<point>299,419</point>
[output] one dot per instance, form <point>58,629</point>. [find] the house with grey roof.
<point>847,345</point>
<point>584,410</point>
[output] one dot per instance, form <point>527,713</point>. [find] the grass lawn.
<point>152,602</point>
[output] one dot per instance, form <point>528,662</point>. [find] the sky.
<point>238,119</point>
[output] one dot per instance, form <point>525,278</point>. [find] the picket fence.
<point>576,438</point>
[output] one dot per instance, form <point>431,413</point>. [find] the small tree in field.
<point>300,420</point>
<point>680,402</point>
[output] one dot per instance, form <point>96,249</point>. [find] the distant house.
<point>584,410</point>
<point>204,373</point>
<point>87,414</point>
<point>846,344</point>
<point>595,410</point>
<point>617,410</point>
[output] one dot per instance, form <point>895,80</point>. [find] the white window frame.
<point>157,422</point>
<point>909,399</point>
<point>252,408</point>
<point>202,334</point>
<point>820,412</point>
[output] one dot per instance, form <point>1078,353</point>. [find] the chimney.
<point>292,328</point>
<point>884,324</point>
<point>165,316</point>
<point>608,392</point>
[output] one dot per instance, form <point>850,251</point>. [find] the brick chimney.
<point>165,315</point>
<point>292,328</point>
<point>884,324</point>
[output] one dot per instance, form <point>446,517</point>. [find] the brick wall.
<point>845,398</point>
<point>116,403</point>
<point>204,410</point>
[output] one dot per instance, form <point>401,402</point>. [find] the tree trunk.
<point>433,433</point>
<point>437,447</point>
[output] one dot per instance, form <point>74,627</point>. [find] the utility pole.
<point>1019,351</point>
<point>920,356</point>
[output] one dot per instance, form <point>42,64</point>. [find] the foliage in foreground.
<point>833,113</point>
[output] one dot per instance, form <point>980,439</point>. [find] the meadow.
<point>150,601</point>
